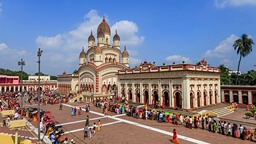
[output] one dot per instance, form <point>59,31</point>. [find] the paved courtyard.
<point>121,129</point>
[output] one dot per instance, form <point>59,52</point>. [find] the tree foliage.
<point>14,73</point>
<point>243,47</point>
<point>248,78</point>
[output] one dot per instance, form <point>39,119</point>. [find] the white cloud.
<point>1,7</point>
<point>127,32</point>
<point>226,3</point>
<point>134,61</point>
<point>223,48</point>
<point>66,46</point>
<point>177,59</point>
<point>49,42</point>
<point>228,63</point>
<point>7,52</point>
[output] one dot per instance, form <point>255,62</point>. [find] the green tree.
<point>225,78</point>
<point>75,72</point>
<point>243,47</point>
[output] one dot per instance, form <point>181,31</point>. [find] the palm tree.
<point>243,47</point>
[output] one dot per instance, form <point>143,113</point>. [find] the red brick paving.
<point>123,133</point>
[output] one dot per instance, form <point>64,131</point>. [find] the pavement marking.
<point>81,129</point>
<point>73,122</point>
<point>147,127</point>
<point>119,115</point>
<point>35,130</point>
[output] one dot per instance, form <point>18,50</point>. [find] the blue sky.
<point>164,31</point>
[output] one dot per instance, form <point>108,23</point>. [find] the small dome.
<point>104,27</point>
<point>125,53</point>
<point>116,37</point>
<point>98,50</point>
<point>100,35</point>
<point>82,54</point>
<point>91,37</point>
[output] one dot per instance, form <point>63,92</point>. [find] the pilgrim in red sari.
<point>175,138</point>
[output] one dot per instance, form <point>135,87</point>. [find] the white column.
<point>119,87</point>
<point>5,88</point>
<point>19,88</point>
<point>125,89</point>
<point>231,95</point>
<point>170,94</point>
<point>222,95</point>
<point>133,92</point>
<point>159,88</point>
<point>149,92</point>
<point>0,88</point>
<point>249,97</point>
<point>141,93</point>
<point>240,96</point>
<point>185,94</point>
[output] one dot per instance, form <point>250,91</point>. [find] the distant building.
<point>234,72</point>
<point>182,86</point>
<point>12,84</point>
<point>42,78</point>
<point>4,79</point>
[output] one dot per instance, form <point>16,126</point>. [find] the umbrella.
<point>166,113</point>
<point>215,118</point>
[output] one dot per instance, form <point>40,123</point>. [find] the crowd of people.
<point>212,124</point>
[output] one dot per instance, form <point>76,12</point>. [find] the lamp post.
<point>39,53</point>
<point>21,63</point>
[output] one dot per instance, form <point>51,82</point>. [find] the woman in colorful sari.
<point>215,126</point>
<point>168,118</point>
<point>175,138</point>
<point>198,123</point>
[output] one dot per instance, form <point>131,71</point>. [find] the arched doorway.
<point>198,98</point>
<point>226,98</point>
<point>130,95</point>
<point>178,100</point>
<point>205,96</point>
<point>145,97</point>
<point>216,94</point>
<point>137,96</point>
<point>191,100</point>
<point>156,99</point>
<point>245,99</point>
<point>166,99</point>
<point>235,98</point>
<point>210,97</point>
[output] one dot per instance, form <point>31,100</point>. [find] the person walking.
<point>175,139</point>
<point>99,125</point>
<point>85,132</point>
<point>94,128</point>
<point>202,121</point>
<point>60,106</point>
<point>87,121</point>
<point>72,112</point>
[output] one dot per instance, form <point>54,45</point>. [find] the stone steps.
<point>222,112</point>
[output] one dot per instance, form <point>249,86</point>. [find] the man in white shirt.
<point>241,129</point>
<point>16,116</point>
<point>181,119</point>
<point>190,122</point>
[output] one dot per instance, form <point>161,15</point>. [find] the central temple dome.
<point>104,27</point>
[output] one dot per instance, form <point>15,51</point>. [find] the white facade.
<point>176,86</point>
<point>42,78</point>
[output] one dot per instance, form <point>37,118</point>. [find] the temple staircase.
<point>222,111</point>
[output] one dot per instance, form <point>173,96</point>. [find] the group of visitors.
<point>89,131</point>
